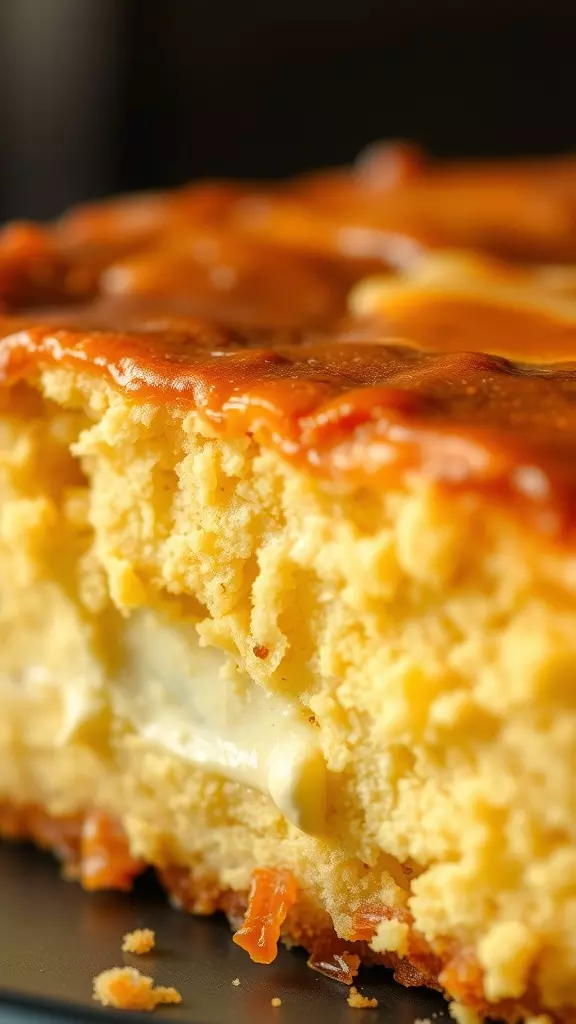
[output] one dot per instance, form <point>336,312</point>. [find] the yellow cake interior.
<point>250,666</point>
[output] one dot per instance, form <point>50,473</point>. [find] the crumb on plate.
<point>360,1002</point>
<point>125,988</point>
<point>236,982</point>
<point>141,940</point>
<point>276,1001</point>
<point>463,1014</point>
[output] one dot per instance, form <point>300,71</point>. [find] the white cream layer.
<point>193,702</point>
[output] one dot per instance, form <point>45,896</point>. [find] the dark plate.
<point>54,938</point>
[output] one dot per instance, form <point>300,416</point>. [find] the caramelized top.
<point>365,322</point>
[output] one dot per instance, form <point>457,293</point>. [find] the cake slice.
<point>288,596</point>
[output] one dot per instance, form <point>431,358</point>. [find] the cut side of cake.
<point>288,564</point>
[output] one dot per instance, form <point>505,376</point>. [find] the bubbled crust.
<point>231,299</point>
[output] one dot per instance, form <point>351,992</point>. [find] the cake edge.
<point>452,971</point>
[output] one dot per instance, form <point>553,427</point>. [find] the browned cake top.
<point>237,300</point>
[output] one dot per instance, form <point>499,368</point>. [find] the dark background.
<point>98,96</point>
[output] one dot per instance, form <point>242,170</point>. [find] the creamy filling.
<point>193,701</point>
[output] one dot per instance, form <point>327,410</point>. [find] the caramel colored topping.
<point>230,278</point>
<point>32,270</point>
<point>138,220</point>
<point>272,894</point>
<point>231,299</point>
<point>459,302</point>
<point>106,862</point>
<point>125,988</point>
<point>349,408</point>
<point>366,920</point>
<point>521,212</point>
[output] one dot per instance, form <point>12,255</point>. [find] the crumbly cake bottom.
<point>93,851</point>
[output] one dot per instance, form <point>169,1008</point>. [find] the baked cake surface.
<point>287,563</point>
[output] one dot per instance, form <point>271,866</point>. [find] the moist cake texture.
<point>288,563</point>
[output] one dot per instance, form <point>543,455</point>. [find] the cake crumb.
<point>391,936</point>
<point>236,982</point>
<point>423,1020</point>
<point>125,988</point>
<point>276,1001</point>
<point>360,1002</point>
<point>463,1014</point>
<point>140,941</point>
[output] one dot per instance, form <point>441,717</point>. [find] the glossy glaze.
<point>232,299</point>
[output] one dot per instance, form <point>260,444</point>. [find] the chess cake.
<point>288,563</point>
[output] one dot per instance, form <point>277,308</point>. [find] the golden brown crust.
<point>364,413</point>
<point>230,299</point>
<point>446,968</point>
